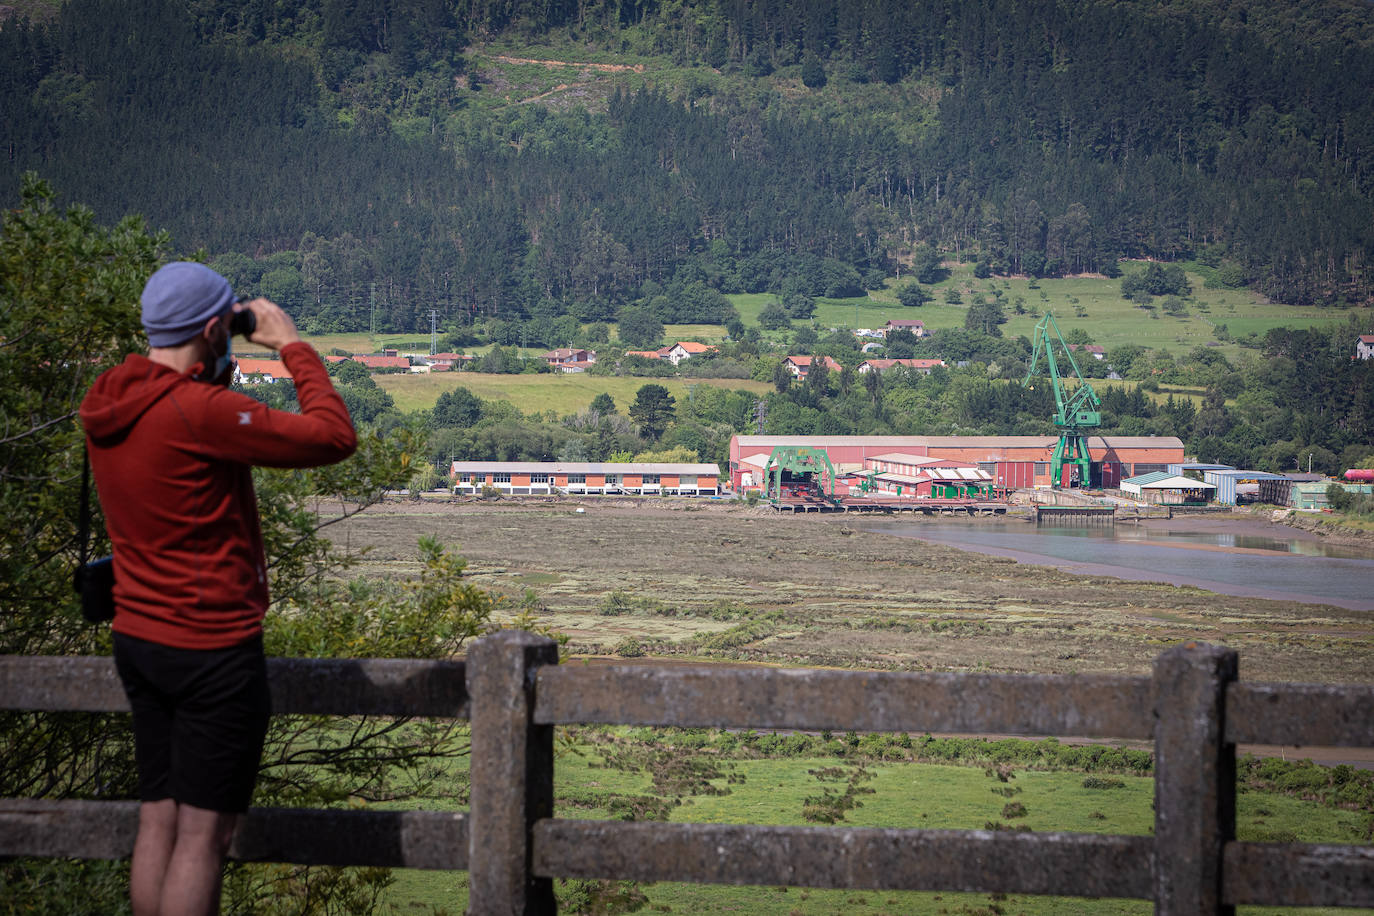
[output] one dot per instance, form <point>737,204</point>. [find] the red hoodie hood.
<point>123,394</point>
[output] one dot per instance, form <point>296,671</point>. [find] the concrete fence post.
<point>1195,779</point>
<point>511,772</point>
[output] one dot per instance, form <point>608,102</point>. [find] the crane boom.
<point>1075,410</point>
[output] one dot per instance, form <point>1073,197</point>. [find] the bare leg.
<point>157,834</point>
<point>191,885</point>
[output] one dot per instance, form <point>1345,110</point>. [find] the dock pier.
<point>1075,516</point>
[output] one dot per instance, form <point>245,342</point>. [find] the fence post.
<point>511,772</point>
<point>1195,779</point>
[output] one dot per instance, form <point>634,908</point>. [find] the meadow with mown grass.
<point>561,393</point>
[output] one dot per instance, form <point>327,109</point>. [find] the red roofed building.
<point>882,365</point>
<point>686,350</point>
<point>249,371</point>
<point>570,356</point>
<point>920,476</point>
<point>1097,350</point>
<point>646,354</point>
<point>384,362</point>
<point>448,362</point>
<point>799,366</point>
<point>1364,347</point>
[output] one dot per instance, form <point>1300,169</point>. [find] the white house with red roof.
<point>686,349</point>
<point>799,366</point>
<point>249,371</point>
<point>1364,347</point>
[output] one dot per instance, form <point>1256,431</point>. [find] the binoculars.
<point>244,322</point>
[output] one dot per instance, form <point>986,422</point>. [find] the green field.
<point>904,795</point>
<point>562,393</point>
<point>1094,304</point>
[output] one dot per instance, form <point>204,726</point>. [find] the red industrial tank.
<point>1364,475</point>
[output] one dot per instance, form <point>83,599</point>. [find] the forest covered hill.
<point>366,161</point>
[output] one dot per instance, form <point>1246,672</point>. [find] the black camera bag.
<point>94,582</point>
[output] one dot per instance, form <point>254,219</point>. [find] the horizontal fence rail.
<point>1193,707</point>
<point>304,836</point>
<point>812,699</point>
<point>301,686</point>
<point>1305,715</point>
<point>1076,865</point>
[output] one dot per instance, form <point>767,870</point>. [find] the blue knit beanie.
<point>179,298</point>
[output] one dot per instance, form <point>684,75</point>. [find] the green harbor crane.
<point>799,462</point>
<point>1075,411</point>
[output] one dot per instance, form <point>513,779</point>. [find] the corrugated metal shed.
<point>1138,482</point>
<point>1161,486</point>
<point>1312,495</point>
<point>1198,466</point>
<point>1227,478</point>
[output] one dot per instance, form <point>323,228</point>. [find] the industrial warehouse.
<point>1010,462</point>
<point>533,478</point>
<point>929,473</point>
<point>858,467</point>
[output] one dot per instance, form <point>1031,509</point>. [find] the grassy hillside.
<point>1094,304</point>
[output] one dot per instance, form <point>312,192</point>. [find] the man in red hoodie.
<point>172,448</point>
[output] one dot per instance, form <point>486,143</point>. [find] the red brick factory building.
<point>1015,462</point>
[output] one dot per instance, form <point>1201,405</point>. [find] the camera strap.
<point>85,517</point>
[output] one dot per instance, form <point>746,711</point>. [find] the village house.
<point>916,326</point>
<point>686,350</point>
<point>1097,351</point>
<point>676,353</point>
<point>882,365</point>
<point>1364,346</point>
<point>570,359</point>
<point>249,371</point>
<point>799,366</point>
<point>447,362</point>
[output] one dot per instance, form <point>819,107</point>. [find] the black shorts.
<point>200,716</point>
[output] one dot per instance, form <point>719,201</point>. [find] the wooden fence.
<point>514,692</point>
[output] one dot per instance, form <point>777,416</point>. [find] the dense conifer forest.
<point>355,161</point>
<point>336,154</point>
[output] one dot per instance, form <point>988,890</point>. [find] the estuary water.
<point>1247,560</point>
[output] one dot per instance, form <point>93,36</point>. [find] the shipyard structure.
<point>916,465</point>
